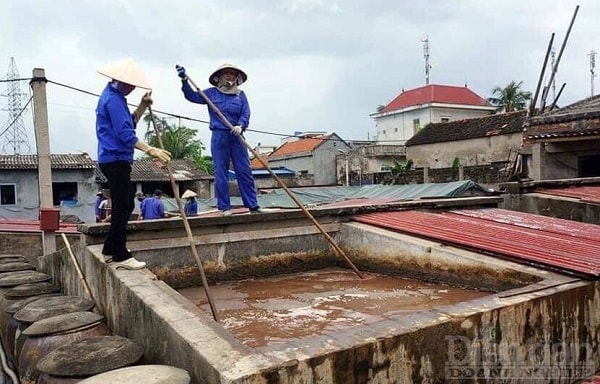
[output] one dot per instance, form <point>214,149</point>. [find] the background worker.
<point>115,131</point>
<point>191,205</point>
<point>225,144</point>
<point>105,207</point>
<point>99,199</point>
<point>153,208</point>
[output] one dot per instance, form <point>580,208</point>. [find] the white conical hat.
<point>126,71</point>
<point>188,193</point>
<point>214,77</point>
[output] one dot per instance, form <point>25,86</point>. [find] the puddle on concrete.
<point>269,311</point>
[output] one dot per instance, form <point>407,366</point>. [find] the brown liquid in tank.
<point>272,310</point>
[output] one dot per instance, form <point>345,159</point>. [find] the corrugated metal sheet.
<point>556,244</point>
<point>33,226</point>
<point>585,193</point>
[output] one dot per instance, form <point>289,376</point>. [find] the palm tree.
<point>510,98</point>
<point>180,141</point>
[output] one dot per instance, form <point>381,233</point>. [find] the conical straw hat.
<point>188,193</point>
<point>126,71</point>
<point>214,77</point>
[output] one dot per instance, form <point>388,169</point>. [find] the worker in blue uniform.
<point>153,208</point>
<point>227,145</point>
<point>115,131</point>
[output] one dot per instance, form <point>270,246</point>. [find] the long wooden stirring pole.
<point>186,224</point>
<point>336,247</point>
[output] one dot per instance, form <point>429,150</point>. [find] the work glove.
<point>237,130</point>
<point>181,72</point>
<point>160,154</point>
<point>145,102</point>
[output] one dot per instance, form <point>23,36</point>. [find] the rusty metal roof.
<point>556,244</point>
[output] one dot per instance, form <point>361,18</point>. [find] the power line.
<point>177,116</point>
<point>17,117</point>
<point>133,105</point>
<point>11,80</point>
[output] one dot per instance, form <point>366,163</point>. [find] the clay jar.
<point>43,336</point>
<point>43,309</point>
<point>147,374</point>
<point>21,292</point>
<point>13,274</point>
<point>78,360</point>
<point>12,325</point>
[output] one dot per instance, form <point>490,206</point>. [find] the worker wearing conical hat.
<point>225,145</point>
<point>115,131</point>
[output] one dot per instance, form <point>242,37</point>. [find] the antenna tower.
<point>553,62</point>
<point>592,56</point>
<point>16,141</point>
<point>428,66</point>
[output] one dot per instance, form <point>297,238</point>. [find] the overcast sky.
<point>312,65</point>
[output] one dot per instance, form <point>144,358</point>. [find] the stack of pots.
<point>43,309</point>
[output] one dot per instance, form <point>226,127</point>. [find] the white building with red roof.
<point>411,110</point>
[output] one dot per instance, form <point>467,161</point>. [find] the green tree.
<point>180,140</point>
<point>510,98</point>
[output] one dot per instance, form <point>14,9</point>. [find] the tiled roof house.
<point>311,157</point>
<point>476,141</point>
<point>73,185</point>
<point>563,143</point>
<point>411,110</point>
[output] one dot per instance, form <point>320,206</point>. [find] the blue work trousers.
<point>225,147</point>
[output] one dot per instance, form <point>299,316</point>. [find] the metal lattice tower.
<point>15,138</point>
<point>428,66</point>
<point>592,56</point>
<point>553,55</point>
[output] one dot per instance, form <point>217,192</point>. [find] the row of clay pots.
<point>52,338</point>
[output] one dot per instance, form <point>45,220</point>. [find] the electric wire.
<point>323,137</point>
<point>17,117</point>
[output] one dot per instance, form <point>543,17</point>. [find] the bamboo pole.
<point>82,279</point>
<point>186,224</point>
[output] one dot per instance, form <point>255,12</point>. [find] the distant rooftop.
<point>434,93</point>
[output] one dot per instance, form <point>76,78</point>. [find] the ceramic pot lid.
<point>11,279</point>
<point>62,323</point>
<point>17,305</point>
<point>147,374</point>
<point>91,356</point>
<point>31,289</point>
<point>52,306</point>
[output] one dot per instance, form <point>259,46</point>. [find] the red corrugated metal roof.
<point>546,242</point>
<point>436,94</point>
<point>586,193</point>
<point>33,226</point>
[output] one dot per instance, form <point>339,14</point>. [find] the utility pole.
<point>428,66</point>
<point>592,56</point>
<point>16,141</point>
<point>42,138</point>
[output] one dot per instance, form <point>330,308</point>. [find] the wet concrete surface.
<point>270,311</point>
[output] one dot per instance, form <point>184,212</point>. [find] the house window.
<point>396,129</point>
<point>445,119</point>
<point>416,125</point>
<point>8,194</point>
<point>64,194</point>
